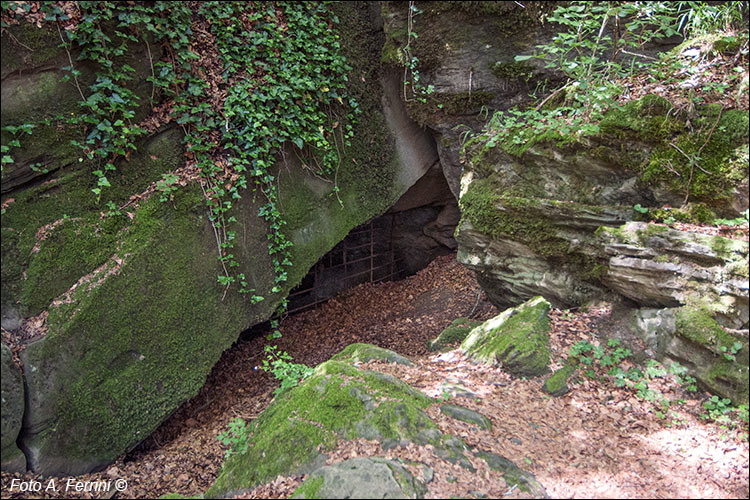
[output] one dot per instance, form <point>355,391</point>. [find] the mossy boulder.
<point>513,475</point>
<point>452,335</point>
<point>337,402</point>
<point>362,353</point>
<point>517,339</point>
<point>126,312</point>
<point>341,402</point>
<point>12,394</point>
<point>557,383</point>
<point>361,478</point>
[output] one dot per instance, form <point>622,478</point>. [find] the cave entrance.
<point>417,229</point>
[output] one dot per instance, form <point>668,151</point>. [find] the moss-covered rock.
<point>362,353</point>
<point>361,478</point>
<point>717,357</point>
<point>452,335</point>
<point>513,475</point>
<point>557,383</point>
<point>466,415</point>
<point>341,402</point>
<point>337,402</point>
<point>517,339</point>
<point>528,207</point>
<point>12,394</point>
<point>657,266</point>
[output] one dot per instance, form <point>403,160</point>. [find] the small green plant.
<point>567,315</point>
<point>743,219</point>
<point>236,437</point>
<point>717,408</point>
<point>731,351</point>
<point>166,186</point>
<point>641,210</point>
<point>279,363</point>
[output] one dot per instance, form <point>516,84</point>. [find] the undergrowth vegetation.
<point>663,387</point>
<point>600,48</point>
<point>247,82</point>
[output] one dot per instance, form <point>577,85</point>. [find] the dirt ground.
<point>598,441</point>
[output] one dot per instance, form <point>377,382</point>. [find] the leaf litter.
<point>597,441</point>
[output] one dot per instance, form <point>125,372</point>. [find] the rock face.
<point>717,357</point>
<point>466,52</point>
<point>342,402</point>
<point>516,339</point>
<point>361,478</point>
<point>654,265</point>
<point>13,459</point>
<point>122,316</point>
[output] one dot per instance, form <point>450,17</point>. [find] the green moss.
<point>695,213</point>
<point>142,341</point>
<point>649,118</point>
<point>705,158</point>
<point>517,339</point>
<point>391,53</point>
<point>309,489</point>
<point>337,402</point>
<point>557,383</point>
<point>71,250</point>
<point>37,46</point>
<point>363,353</point>
<point>454,334</point>
<point>697,324</point>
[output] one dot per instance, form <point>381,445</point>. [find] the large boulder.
<point>123,314</point>
<point>530,214</point>
<point>517,339</point>
<point>12,393</point>
<point>342,402</point>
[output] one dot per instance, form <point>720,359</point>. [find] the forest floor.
<point>597,441</point>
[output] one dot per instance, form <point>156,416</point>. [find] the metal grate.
<point>365,255</point>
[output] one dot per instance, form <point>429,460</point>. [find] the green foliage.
<point>599,44</point>
<point>743,219</point>
<point>273,92</point>
<point>596,360</point>
<point>279,363</point>
<point>413,89</point>
<point>5,149</point>
<point>593,56</point>
<point>236,437</point>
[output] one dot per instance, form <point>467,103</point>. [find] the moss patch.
<point>363,353</point>
<point>517,339</point>
<point>557,383</point>
<point>337,402</point>
<point>454,334</point>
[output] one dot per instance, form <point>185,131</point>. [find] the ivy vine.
<point>246,81</point>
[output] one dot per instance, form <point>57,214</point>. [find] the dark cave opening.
<point>397,244</point>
